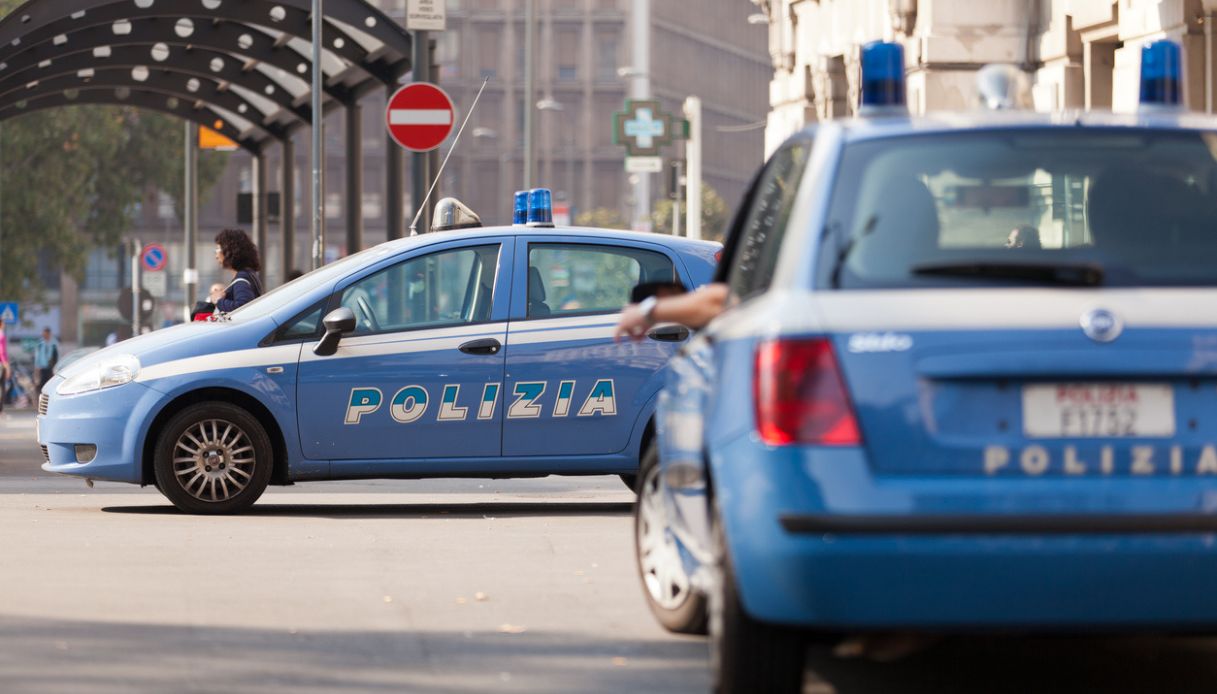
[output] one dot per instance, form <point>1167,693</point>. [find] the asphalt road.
<point>429,586</point>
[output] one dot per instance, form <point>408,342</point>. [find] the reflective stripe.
<point>244,358</point>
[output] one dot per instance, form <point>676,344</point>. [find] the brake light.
<point>800,396</point>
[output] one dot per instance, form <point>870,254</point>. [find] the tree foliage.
<point>714,215</point>
<point>601,218</point>
<point>70,180</point>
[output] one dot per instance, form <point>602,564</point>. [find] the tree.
<point>602,218</point>
<point>714,214</point>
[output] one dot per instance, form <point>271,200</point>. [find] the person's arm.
<point>242,293</point>
<point>693,310</point>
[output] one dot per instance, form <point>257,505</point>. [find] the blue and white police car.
<point>471,352</point>
<point>967,379</point>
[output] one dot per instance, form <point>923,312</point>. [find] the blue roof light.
<point>882,74</point>
<point>540,207</point>
<point>1161,74</point>
<point>519,213</point>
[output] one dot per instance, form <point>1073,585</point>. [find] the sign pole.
<point>693,175</point>
<point>190,197</point>
<point>530,18</point>
<point>419,174</point>
<point>318,153</point>
<point>136,246</point>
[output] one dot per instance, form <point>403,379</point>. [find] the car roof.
<point>678,243</point>
<point>859,129</point>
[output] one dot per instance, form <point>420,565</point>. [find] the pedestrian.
<point>4,369</point>
<point>46,355</point>
<point>235,251</point>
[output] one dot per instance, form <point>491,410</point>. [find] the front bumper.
<point>111,419</point>
<point>817,540</point>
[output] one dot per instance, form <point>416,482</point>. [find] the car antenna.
<point>455,142</point>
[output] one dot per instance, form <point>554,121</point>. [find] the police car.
<point>967,379</point>
<point>472,352</point>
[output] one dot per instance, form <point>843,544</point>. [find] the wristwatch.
<point>647,308</point>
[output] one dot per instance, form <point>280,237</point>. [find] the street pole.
<point>420,177</point>
<point>640,89</point>
<point>190,213</point>
<point>318,153</point>
<point>692,110</point>
<point>530,16</point>
<point>135,286</point>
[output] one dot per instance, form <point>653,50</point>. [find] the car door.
<point>570,389</point>
<point>421,375</point>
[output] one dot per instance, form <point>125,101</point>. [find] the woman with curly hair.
<point>235,251</point>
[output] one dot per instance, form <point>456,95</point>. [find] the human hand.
<point>633,323</point>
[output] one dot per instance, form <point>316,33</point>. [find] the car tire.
<point>213,458</point>
<point>747,655</point>
<point>678,606</point>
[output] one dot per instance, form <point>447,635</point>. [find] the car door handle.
<point>486,345</point>
<point>669,333</point>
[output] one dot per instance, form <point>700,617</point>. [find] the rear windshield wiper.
<point>1069,274</point>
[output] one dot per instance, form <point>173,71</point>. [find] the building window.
<point>567,73</point>
<point>568,55</point>
<point>607,47</point>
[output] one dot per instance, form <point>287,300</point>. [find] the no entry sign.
<point>419,116</point>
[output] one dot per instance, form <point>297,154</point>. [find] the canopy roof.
<point>241,67</point>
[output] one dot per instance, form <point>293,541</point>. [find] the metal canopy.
<point>238,66</point>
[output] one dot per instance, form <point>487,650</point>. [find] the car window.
<point>307,324</point>
<point>1117,207</point>
<point>447,287</point>
<point>760,236</point>
<point>573,278</point>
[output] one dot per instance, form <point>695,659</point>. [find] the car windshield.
<point>1085,206</point>
<point>287,293</point>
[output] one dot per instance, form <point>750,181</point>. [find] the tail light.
<point>800,396</point>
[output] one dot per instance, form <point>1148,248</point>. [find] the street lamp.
<point>490,134</point>
<point>555,106</point>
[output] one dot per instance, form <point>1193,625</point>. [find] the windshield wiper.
<point>1068,274</point>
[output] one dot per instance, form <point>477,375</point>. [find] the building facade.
<point>1078,54</point>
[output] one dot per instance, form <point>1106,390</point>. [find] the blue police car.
<point>471,352</point>
<point>966,380</point>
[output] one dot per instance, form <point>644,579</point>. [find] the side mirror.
<point>337,323</point>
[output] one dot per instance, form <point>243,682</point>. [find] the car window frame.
<point>499,287</point>
<point>519,304</point>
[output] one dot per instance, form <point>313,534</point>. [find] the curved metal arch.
<point>46,19</point>
<point>243,42</point>
<point>140,99</point>
<point>357,14</point>
<point>208,93</point>
<point>194,62</point>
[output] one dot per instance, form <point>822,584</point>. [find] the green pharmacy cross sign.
<point>644,128</point>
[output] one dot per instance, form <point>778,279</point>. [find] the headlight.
<point>106,373</point>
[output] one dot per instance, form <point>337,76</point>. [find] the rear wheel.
<point>213,458</point>
<point>747,655</point>
<point>669,593</point>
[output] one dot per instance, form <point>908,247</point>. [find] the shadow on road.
<point>1017,665</point>
<point>89,656</point>
<point>447,510</point>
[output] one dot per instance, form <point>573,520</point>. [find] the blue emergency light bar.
<point>1161,74</point>
<point>882,75</point>
<point>520,211</point>
<point>540,207</point>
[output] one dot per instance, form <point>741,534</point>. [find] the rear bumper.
<point>817,540</point>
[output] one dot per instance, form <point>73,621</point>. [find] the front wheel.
<point>213,458</point>
<point>669,592</point>
<point>747,655</point>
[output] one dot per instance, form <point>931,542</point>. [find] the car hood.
<point>182,341</point>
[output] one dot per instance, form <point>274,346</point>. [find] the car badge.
<point>1101,325</point>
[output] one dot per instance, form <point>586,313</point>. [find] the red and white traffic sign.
<point>420,116</point>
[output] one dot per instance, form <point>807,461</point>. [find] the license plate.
<point>1098,410</point>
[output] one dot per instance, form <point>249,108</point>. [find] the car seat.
<point>537,307</point>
